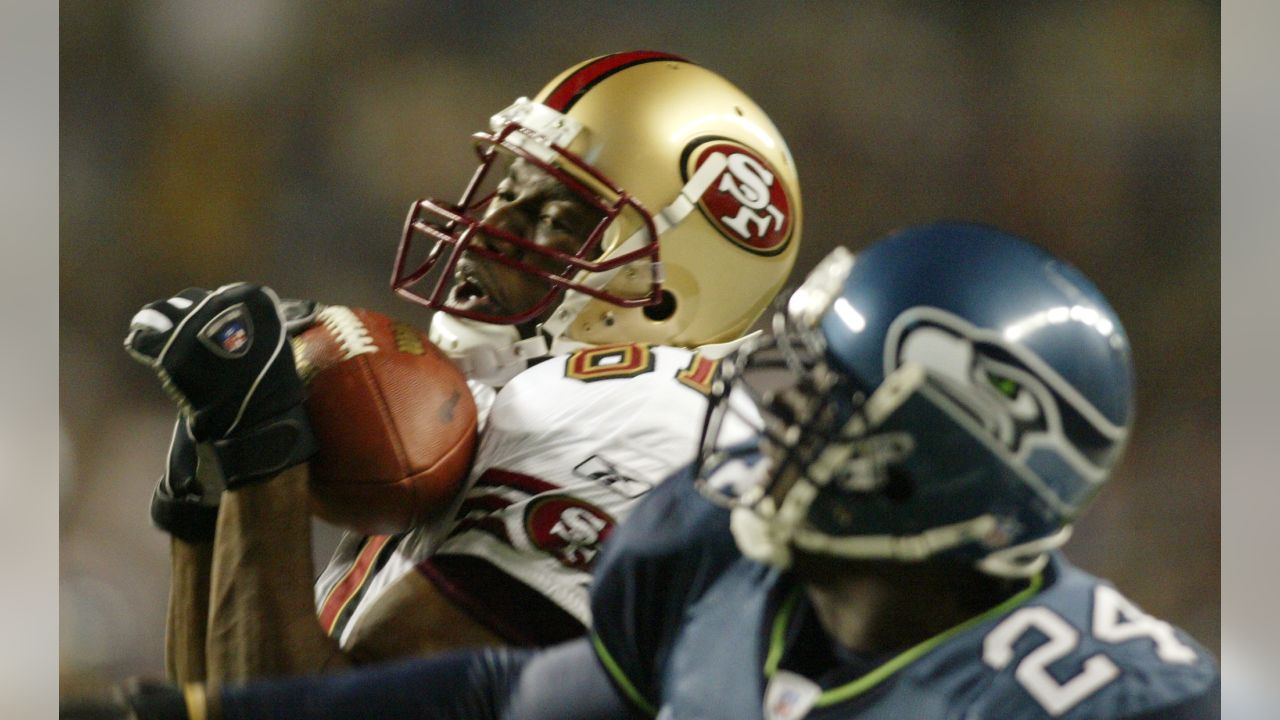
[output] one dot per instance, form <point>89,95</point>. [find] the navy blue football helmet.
<point>951,390</point>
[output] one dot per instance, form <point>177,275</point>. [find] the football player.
<point>936,411</point>
<point>638,208</point>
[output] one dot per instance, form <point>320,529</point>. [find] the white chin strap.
<point>1025,560</point>
<point>485,352</point>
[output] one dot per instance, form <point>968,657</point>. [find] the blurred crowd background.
<point>282,142</point>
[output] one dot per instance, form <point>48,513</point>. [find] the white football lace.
<point>352,335</point>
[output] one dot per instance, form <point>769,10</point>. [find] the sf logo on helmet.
<point>748,203</point>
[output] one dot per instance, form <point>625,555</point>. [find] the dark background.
<point>281,142</point>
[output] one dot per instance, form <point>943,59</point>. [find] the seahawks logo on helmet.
<point>1010,398</point>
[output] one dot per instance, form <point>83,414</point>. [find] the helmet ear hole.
<point>665,308</point>
<point>899,487</point>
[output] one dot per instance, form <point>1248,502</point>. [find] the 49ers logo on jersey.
<point>748,203</point>
<point>567,528</point>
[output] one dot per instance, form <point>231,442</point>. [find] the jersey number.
<point>1115,620</point>
<point>628,360</point>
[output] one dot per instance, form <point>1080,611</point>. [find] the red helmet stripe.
<point>572,88</point>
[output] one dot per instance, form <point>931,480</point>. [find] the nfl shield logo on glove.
<point>230,333</point>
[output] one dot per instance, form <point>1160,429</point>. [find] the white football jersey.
<point>567,449</point>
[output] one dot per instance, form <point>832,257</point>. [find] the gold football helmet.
<point>699,217</point>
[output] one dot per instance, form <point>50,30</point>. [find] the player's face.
<point>532,205</point>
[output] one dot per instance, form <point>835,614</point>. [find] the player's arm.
<point>674,545</point>
<point>262,613</point>
<point>561,683</point>
<point>262,619</point>
<point>188,512</point>
<point>224,356</point>
<point>187,614</point>
<point>185,505</point>
<point>565,682</point>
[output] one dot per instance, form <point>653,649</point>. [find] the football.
<point>393,417</point>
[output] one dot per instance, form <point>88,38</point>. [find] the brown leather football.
<point>395,421</point>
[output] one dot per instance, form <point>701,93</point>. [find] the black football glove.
<point>224,356</point>
<point>185,501</point>
<point>182,505</point>
<point>138,700</point>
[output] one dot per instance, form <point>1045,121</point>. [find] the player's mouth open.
<point>469,293</point>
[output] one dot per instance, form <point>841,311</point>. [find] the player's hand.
<point>225,358</point>
<point>183,505</point>
<point>222,355</point>
<point>185,501</point>
<point>135,700</point>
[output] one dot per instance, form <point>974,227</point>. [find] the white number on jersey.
<point>1115,620</point>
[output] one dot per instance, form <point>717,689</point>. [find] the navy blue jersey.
<point>688,628</point>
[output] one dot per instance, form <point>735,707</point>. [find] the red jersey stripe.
<point>348,587</point>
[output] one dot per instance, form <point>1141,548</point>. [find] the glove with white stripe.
<point>224,356</point>
<point>182,505</point>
